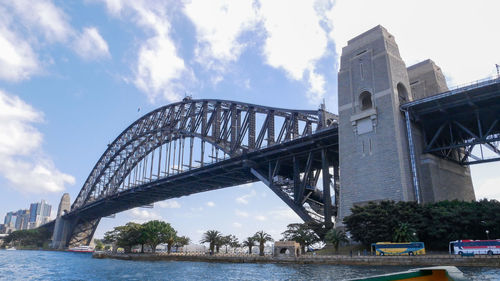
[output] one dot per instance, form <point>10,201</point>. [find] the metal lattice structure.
<point>199,145</point>
<point>462,125</point>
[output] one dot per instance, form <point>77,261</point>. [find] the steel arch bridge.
<point>199,145</point>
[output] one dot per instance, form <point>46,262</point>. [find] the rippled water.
<point>41,265</point>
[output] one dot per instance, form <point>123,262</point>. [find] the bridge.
<point>201,145</point>
<point>388,143</point>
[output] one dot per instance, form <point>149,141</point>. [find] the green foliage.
<point>126,236</point>
<point>212,237</point>
<point>31,238</point>
<point>404,233</point>
<point>435,224</point>
<point>99,246</point>
<point>261,237</point>
<point>250,242</point>
<point>157,232</point>
<point>300,233</point>
<point>181,241</point>
<point>335,237</point>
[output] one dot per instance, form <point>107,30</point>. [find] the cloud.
<point>170,204</point>
<point>241,213</point>
<point>140,216</point>
<point>296,40</point>
<point>90,45</point>
<point>219,25</point>
<point>28,26</point>
<point>237,225</point>
<point>159,71</point>
<point>22,161</point>
<point>210,204</point>
<point>244,198</point>
<point>293,41</point>
<point>44,17</point>
<point>18,61</point>
<point>285,214</point>
<point>260,218</point>
<point>464,27</point>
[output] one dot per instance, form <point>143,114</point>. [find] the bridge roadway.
<point>230,172</point>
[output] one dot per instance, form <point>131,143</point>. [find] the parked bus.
<point>403,248</point>
<point>475,247</point>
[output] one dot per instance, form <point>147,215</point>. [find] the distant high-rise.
<point>39,214</point>
<point>64,205</point>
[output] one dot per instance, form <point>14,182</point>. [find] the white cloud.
<point>90,45</point>
<point>242,214</point>
<point>44,17</point>
<point>210,204</point>
<point>244,198</point>
<point>159,71</point>
<point>170,204</point>
<point>18,61</point>
<point>219,24</point>
<point>28,26</point>
<point>237,225</point>
<point>22,161</point>
<point>285,214</point>
<point>260,218</point>
<point>140,215</point>
<point>296,40</point>
<point>447,38</point>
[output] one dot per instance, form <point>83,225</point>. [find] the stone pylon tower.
<point>374,159</point>
<point>64,205</point>
<point>374,153</point>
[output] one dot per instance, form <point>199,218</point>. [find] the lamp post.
<point>487,234</point>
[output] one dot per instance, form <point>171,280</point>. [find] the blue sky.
<point>73,75</point>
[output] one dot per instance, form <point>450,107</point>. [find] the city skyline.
<point>80,73</point>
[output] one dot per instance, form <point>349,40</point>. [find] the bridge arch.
<point>228,128</point>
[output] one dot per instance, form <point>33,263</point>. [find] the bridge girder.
<point>139,160</point>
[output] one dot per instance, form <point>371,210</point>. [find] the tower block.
<point>373,82</point>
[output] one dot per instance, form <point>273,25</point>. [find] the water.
<point>41,265</point>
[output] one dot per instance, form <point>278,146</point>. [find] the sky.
<point>75,74</point>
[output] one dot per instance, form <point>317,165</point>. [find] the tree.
<point>261,237</point>
<point>300,233</point>
<point>250,242</point>
<point>181,241</point>
<point>98,244</point>
<point>233,242</point>
<point>335,237</point>
<point>170,239</point>
<point>211,237</point>
<point>404,233</point>
<point>224,241</point>
<point>435,223</point>
<point>157,232</point>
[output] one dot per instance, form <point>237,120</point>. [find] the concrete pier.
<point>424,260</point>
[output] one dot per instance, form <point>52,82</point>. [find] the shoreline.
<point>424,260</point>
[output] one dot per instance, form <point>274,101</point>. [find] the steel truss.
<point>198,145</point>
<point>462,125</point>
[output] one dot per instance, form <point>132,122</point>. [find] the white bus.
<point>475,247</point>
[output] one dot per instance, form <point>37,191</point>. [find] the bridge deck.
<point>455,122</point>
<point>230,172</point>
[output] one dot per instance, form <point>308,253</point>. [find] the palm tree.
<point>212,237</point>
<point>250,242</point>
<point>261,237</point>
<point>233,242</point>
<point>335,237</point>
<point>404,233</point>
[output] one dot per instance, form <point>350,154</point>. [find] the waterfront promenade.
<point>424,260</point>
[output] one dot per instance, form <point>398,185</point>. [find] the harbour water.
<point>45,265</point>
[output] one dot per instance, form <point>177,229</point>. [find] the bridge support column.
<point>327,198</point>
<point>62,231</point>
